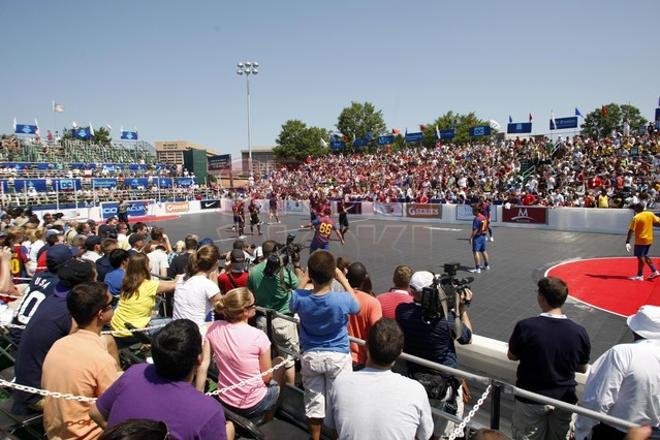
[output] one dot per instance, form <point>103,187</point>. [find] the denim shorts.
<point>267,403</point>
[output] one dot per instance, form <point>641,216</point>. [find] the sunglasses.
<point>111,304</point>
<point>251,306</point>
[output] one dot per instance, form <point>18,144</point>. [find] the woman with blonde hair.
<point>196,295</point>
<point>36,237</point>
<point>137,297</point>
<point>241,352</point>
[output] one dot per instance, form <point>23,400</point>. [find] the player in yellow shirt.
<point>642,226</point>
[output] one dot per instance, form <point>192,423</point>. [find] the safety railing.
<point>496,387</point>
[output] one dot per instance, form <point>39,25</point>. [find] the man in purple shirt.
<point>323,227</point>
<point>163,391</point>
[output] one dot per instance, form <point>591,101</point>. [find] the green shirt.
<point>272,292</point>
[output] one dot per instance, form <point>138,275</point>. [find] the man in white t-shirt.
<point>194,299</point>
<point>158,263</point>
<point>375,402</point>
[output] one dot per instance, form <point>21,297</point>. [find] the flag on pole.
<point>324,144</point>
<point>437,132</point>
<point>14,125</point>
<point>91,129</point>
<point>396,131</point>
<point>58,108</point>
<point>36,124</point>
<point>552,119</point>
<point>109,126</point>
<point>530,117</point>
<point>74,125</point>
<point>577,113</point>
<point>604,111</point>
<point>510,120</point>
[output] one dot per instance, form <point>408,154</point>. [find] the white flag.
<point>324,144</point>
<point>91,129</point>
<point>109,126</point>
<point>58,108</point>
<point>74,125</point>
<point>14,125</point>
<point>36,124</point>
<point>494,124</point>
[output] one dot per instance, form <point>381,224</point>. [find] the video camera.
<point>446,292</point>
<point>282,256</point>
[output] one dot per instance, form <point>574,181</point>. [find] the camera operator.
<point>433,339</point>
<point>273,292</point>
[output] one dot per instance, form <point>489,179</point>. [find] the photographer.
<point>433,338</point>
<point>273,292</point>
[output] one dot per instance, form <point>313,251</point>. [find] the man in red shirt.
<point>398,294</point>
<point>370,312</point>
<point>234,274</point>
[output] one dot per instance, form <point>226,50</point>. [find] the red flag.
<point>396,131</point>
<point>422,127</point>
<point>604,111</point>
<point>530,117</point>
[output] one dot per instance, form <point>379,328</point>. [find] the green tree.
<point>102,136</point>
<point>600,122</point>
<point>297,141</point>
<point>462,125</point>
<point>359,119</point>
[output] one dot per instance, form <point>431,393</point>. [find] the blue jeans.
<point>267,403</point>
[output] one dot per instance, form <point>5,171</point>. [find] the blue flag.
<point>129,135</point>
<point>577,113</point>
<point>83,133</point>
<point>510,120</point>
<point>25,129</point>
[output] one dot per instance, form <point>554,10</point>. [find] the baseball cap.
<point>58,254</point>
<point>420,280</point>
<point>74,272</point>
<point>134,238</point>
<point>646,322</point>
<point>237,258</point>
<point>52,232</point>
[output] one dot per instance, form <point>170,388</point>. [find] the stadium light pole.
<point>248,68</point>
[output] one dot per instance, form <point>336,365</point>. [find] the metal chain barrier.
<point>461,427</point>
<point>104,332</point>
<point>67,396</point>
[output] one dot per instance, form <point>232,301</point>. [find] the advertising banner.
<point>185,181</point>
<point>135,208</point>
<point>353,207</point>
<point>393,209</point>
<point>67,184</point>
<point>210,204</point>
<point>174,207</point>
<point>136,182</point>
<point>163,182</point>
<point>104,183</point>
<point>519,127</point>
<point>464,212</point>
<point>564,123</point>
<point>423,210</point>
<point>526,214</point>
<point>219,162</point>
<point>39,185</point>
<point>480,130</point>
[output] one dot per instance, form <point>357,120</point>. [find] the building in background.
<point>172,151</point>
<point>263,160</point>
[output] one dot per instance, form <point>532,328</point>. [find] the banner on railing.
<point>67,184</point>
<point>464,212</point>
<point>39,185</point>
<point>526,214</point>
<point>136,182</point>
<point>210,204</point>
<point>176,207</point>
<point>393,209</point>
<point>185,181</point>
<point>104,183</point>
<point>353,207</point>
<point>423,210</point>
<point>135,208</point>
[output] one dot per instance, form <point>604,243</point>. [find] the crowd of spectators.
<point>575,171</point>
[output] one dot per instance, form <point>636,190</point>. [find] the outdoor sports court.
<point>502,296</point>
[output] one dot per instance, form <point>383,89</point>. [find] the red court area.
<point>152,218</point>
<point>604,283</point>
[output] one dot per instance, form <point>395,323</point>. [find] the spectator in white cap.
<point>625,381</point>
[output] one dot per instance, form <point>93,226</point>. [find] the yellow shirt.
<point>642,224</point>
<point>603,201</point>
<point>137,309</point>
<point>81,365</point>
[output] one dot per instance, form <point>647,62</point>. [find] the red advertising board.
<point>526,214</point>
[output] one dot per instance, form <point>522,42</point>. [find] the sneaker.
<point>477,270</point>
<point>487,267</point>
<point>242,237</point>
<point>637,278</point>
<point>492,239</point>
<point>655,274</point>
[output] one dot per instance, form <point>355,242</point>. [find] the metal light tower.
<point>248,68</point>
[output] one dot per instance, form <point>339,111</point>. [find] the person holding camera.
<point>273,291</point>
<point>431,335</point>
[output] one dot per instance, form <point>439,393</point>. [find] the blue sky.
<point>168,67</point>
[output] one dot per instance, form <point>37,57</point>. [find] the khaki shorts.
<point>319,371</point>
<point>285,335</point>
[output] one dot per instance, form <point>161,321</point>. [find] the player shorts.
<point>343,219</point>
<point>316,246</point>
<point>642,250</point>
<point>479,243</point>
<point>254,219</point>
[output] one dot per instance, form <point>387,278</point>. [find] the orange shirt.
<point>642,224</point>
<point>359,325</point>
<point>81,365</point>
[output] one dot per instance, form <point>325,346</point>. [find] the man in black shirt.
<point>550,348</point>
<point>180,262</point>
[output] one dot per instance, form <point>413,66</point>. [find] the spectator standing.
<point>370,312</point>
<point>398,294</point>
<point>158,261</point>
<point>324,336</point>
<point>624,381</point>
<point>163,390</point>
<point>376,403</point>
<point>79,364</point>
<point>550,348</point>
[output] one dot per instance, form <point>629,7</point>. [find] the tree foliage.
<point>102,136</point>
<point>357,120</point>
<point>600,122</point>
<point>297,141</point>
<point>447,121</point>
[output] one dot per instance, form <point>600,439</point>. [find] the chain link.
<point>67,396</point>
<point>461,427</point>
<point>105,332</point>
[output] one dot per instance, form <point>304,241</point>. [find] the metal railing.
<point>498,387</point>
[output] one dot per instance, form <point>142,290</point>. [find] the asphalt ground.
<point>502,296</point>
